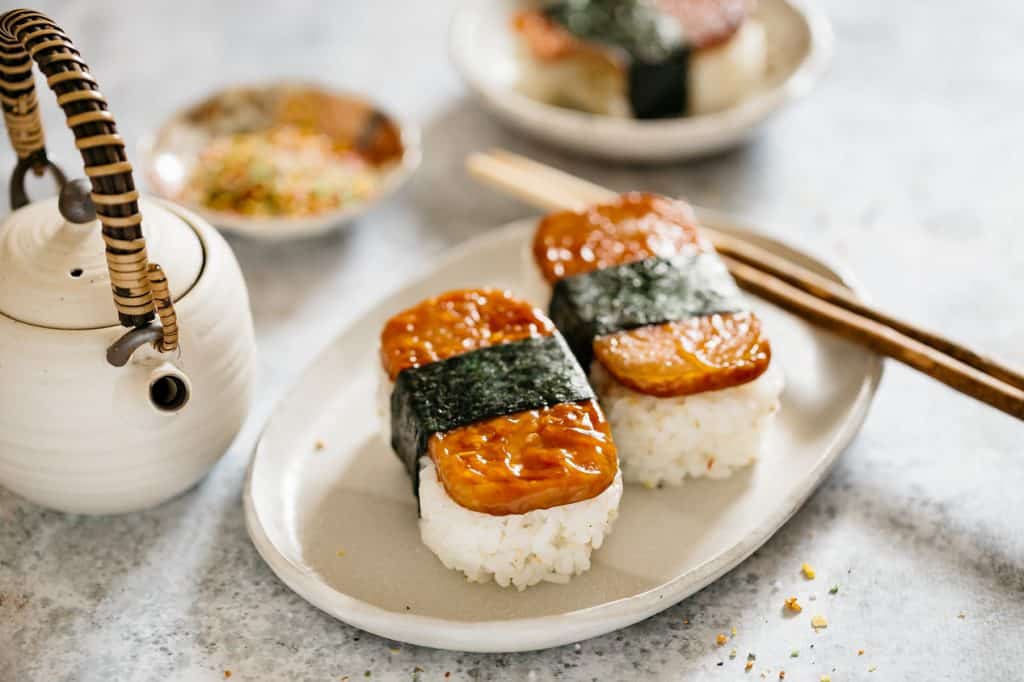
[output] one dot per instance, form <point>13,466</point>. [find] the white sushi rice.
<point>723,75</point>
<point>549,545</point>
<point>710,434</point>
<point>583,82</point>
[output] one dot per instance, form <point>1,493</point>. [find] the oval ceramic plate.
<point>799,40</point>
<point>170,153</point>
<point>331,510</point>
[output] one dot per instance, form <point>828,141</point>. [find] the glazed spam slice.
<point>486,387</point>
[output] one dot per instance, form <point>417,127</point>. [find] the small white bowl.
<point>483,49</point>
<point>169,153</point>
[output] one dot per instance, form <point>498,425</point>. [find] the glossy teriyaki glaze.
<point>629,228</point>
<point>691,356</point>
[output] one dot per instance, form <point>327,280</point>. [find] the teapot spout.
<point>169,389</point>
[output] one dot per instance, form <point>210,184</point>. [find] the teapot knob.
<point>75,202</point>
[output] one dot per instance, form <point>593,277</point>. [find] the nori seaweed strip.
<point>660,89</point>
<point>646,292</point>
<point>478,385</point>
<point>659,55</point>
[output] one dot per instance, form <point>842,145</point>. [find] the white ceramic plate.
<point>169,153</point>
<point>304,504</point>
<point>483,50</point>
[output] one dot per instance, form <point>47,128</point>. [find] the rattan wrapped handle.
<point>26,35</point>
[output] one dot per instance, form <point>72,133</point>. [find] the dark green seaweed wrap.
<point>478,385</point>
<point>646,292</point>
<point>659,56</point>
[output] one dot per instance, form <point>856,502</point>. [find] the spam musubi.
<point>510,454</point>
<point>680,366</point>
<point>640,58</point>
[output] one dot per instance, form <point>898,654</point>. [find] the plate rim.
<point>698,134</point>
<point>529,634</point>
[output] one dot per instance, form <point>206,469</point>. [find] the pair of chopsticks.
<point>793,287</point>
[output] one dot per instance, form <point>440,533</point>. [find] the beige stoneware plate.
<point>337,523</point>
<point>482,48</point>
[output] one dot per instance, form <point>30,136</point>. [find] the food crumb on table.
<point>818,622</point>
<point>732,654</point>
<point>227,674</point>
<point>721,639</point>
<point>826,678</point>
<point>319,445</point>
<point>806,569</point>
<point>795,653</point>
<point>834,589</point>
<point>860,652</point>
<point>340,552</point>
<point>793,605</point>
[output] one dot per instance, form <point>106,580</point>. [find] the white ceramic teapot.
<point>94,418</point>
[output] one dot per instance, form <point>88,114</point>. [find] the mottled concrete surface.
<point>905,165</point>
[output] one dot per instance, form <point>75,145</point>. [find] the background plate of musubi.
<point>797,51</point>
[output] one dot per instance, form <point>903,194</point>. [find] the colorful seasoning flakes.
<point>281,171</point>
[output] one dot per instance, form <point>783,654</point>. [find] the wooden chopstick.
<point>881,338</point>
<point>828,290</point>
<point>793,287</point>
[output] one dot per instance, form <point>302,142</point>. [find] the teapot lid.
<point>53,273</point>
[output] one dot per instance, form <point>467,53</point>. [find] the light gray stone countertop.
<point>905,164</point>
